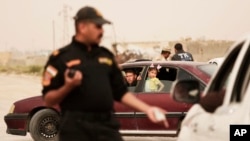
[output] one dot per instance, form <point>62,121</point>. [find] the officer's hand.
<point>74,79</point>
<point>157,115</point>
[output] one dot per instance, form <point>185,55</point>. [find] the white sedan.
<point>224,108</point>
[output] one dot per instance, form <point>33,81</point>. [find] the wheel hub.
<point>49,127</point>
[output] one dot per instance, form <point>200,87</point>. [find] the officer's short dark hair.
<point>178,46</point>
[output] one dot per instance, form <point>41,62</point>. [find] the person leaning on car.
<point>180,54</point>
<point>84,79</point>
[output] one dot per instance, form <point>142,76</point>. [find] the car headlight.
<point>12,108</point>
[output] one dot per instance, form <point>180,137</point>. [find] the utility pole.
<point>65,15</point>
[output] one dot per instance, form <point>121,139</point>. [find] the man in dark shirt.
<point>180,54</point>
<point>84,80</point>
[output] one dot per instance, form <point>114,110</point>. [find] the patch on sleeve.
<point>105,60</point>
<point>49,73</point>
<point>55,53</point>
<point>73,62</point>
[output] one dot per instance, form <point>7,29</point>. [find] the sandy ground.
<point>12,88</point>
<point>15,87</point>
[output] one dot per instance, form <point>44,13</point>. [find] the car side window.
<point>167,76</point>
<point>182,74</point>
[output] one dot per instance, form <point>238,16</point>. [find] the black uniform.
<point>182,56</point>
<point>87,110</point>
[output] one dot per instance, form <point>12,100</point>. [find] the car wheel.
<point>44,125</point>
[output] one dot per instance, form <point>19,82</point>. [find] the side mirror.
<point>187,91</point>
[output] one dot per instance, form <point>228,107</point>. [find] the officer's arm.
<point>133,102</point>
<point>130,100</point>
<point>55,96</point>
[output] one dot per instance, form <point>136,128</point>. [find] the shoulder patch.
<point>73,62</point>
<point>53,71</point>
<point>105,60</point>
<point>55,53</point>
<point>49,73</point>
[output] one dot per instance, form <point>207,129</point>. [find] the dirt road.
<point>15,87</point>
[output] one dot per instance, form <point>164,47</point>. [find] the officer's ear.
<point>82,26</point>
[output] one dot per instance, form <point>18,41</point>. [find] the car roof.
<point>171,63</point>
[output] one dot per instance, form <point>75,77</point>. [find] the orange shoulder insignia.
<point>73,62</point>
<point>55,53</point>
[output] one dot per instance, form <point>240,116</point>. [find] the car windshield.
<point>208,69</point>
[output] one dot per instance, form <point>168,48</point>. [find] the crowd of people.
<point>179,55</point>
<point>131,77</point>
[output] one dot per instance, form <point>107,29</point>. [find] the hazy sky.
<point>32,24</point>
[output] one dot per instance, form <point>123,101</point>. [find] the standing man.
<point>165,53</point>
<point>84,80</point>
<point>180,54</point>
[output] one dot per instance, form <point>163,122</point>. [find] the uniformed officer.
<point>180,54</point>
<point>84,80</point>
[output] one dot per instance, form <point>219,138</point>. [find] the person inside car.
<point>153,84</point>
<point>131,78</point>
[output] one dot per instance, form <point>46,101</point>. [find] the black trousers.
<point>78,126</point>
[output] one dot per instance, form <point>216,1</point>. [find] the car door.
<point>124,114</point>
<point>167,75</point>
<point>233,76</point>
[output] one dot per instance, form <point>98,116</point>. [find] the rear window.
<point>208,69</point>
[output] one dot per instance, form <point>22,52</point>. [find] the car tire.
<point>44,125</point>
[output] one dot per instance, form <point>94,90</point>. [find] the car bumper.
<point>149,133</point>
<point>16,123</point>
